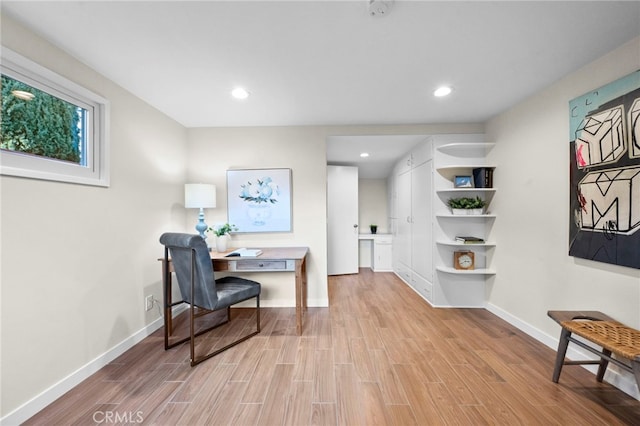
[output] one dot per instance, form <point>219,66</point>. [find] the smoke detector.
<point>379,7</point>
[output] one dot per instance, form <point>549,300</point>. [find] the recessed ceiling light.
<point>442,91</point>
<point>240,93</point>
<point>364,154</point>
<point>21,94</point>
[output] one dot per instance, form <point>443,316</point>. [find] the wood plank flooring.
<point>379,355</point>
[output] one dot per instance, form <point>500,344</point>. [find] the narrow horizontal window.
<point>50,127</point>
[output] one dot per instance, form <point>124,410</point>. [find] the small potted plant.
<point>467,205</point>
<point>222,233</point>
<point>374,228</point>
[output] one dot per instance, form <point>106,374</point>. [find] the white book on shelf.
<point>245,252</point>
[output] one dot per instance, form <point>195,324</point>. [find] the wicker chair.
<point>199,288</point>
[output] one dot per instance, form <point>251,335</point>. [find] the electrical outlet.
<point>148,303</point>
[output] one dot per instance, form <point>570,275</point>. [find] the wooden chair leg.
<point>562,351</point>
<point>603,365</point>
<point>258,313</point>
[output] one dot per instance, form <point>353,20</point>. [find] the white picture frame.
<point>259,200</point>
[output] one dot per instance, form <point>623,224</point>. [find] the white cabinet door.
<point>392,197</point>
<point>421,154</point>
<point>421,229</point>
<point>342,220</point>
<point>382,256</point>
<point>404,164</point>
<point>402,242</point>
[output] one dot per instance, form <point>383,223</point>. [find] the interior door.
<point>342,220</point>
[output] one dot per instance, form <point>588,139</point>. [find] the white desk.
<point>381,259</point>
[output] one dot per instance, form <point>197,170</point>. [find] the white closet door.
<point>422,231</point>
<point>403,236</point>
<point>342,220</point>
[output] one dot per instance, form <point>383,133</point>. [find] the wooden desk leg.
<point>301,301</point>
<point>304,284</point>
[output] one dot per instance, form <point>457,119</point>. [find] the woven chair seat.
<point>612,335</point>
<point>616,340</point>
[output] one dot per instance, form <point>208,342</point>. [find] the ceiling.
<point>331,62</point>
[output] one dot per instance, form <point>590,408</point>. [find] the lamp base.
<point>201,227</point>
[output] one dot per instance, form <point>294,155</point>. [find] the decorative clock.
<point>463,260</point>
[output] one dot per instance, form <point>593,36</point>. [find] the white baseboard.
<point>32,407</point>
<point>614,376</point>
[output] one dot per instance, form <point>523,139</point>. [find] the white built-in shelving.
<point>424,228</point>
<point>451,286</point>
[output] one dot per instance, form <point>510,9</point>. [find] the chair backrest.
<point>183,250</point>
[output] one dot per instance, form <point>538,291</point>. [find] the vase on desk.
<point>221,243</point>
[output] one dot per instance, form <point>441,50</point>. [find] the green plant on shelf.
<point>466,203</point>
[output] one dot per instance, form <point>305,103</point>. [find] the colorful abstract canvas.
<point>605,173</point>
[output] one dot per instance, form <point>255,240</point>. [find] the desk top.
<point>374,236</point>
<point>268,253</point>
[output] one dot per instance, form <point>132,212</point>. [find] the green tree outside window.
<point>42,125</point>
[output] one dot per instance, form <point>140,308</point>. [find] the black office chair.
<point>199,288</point>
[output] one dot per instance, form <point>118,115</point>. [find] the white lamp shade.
<point>199,195</point>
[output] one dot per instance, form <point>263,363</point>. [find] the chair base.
<point>195,360</point>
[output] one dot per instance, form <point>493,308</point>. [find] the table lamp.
<point>200,196</point>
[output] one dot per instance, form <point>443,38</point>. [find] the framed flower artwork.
<point>259,200</point>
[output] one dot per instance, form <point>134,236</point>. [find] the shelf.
<point>465,166</point>
<point>464,272</point>
<point>458,244</point>
<point>467,216</point>
<point>452,190</point>
<point>464,149</point>
<point>449,172</point>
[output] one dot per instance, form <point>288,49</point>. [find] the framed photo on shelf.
<point>259,200</point>
<point>463,182</point>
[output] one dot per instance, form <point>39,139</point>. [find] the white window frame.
<point>96,170</point>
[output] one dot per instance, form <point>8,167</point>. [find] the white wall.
<point>372,205</point>
<point>535,272</point>
<point>372,209</point>
<point>78,260</point>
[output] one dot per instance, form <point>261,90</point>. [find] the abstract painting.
<point>604,223</point>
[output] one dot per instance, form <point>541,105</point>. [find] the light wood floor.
<point>379,355</point>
